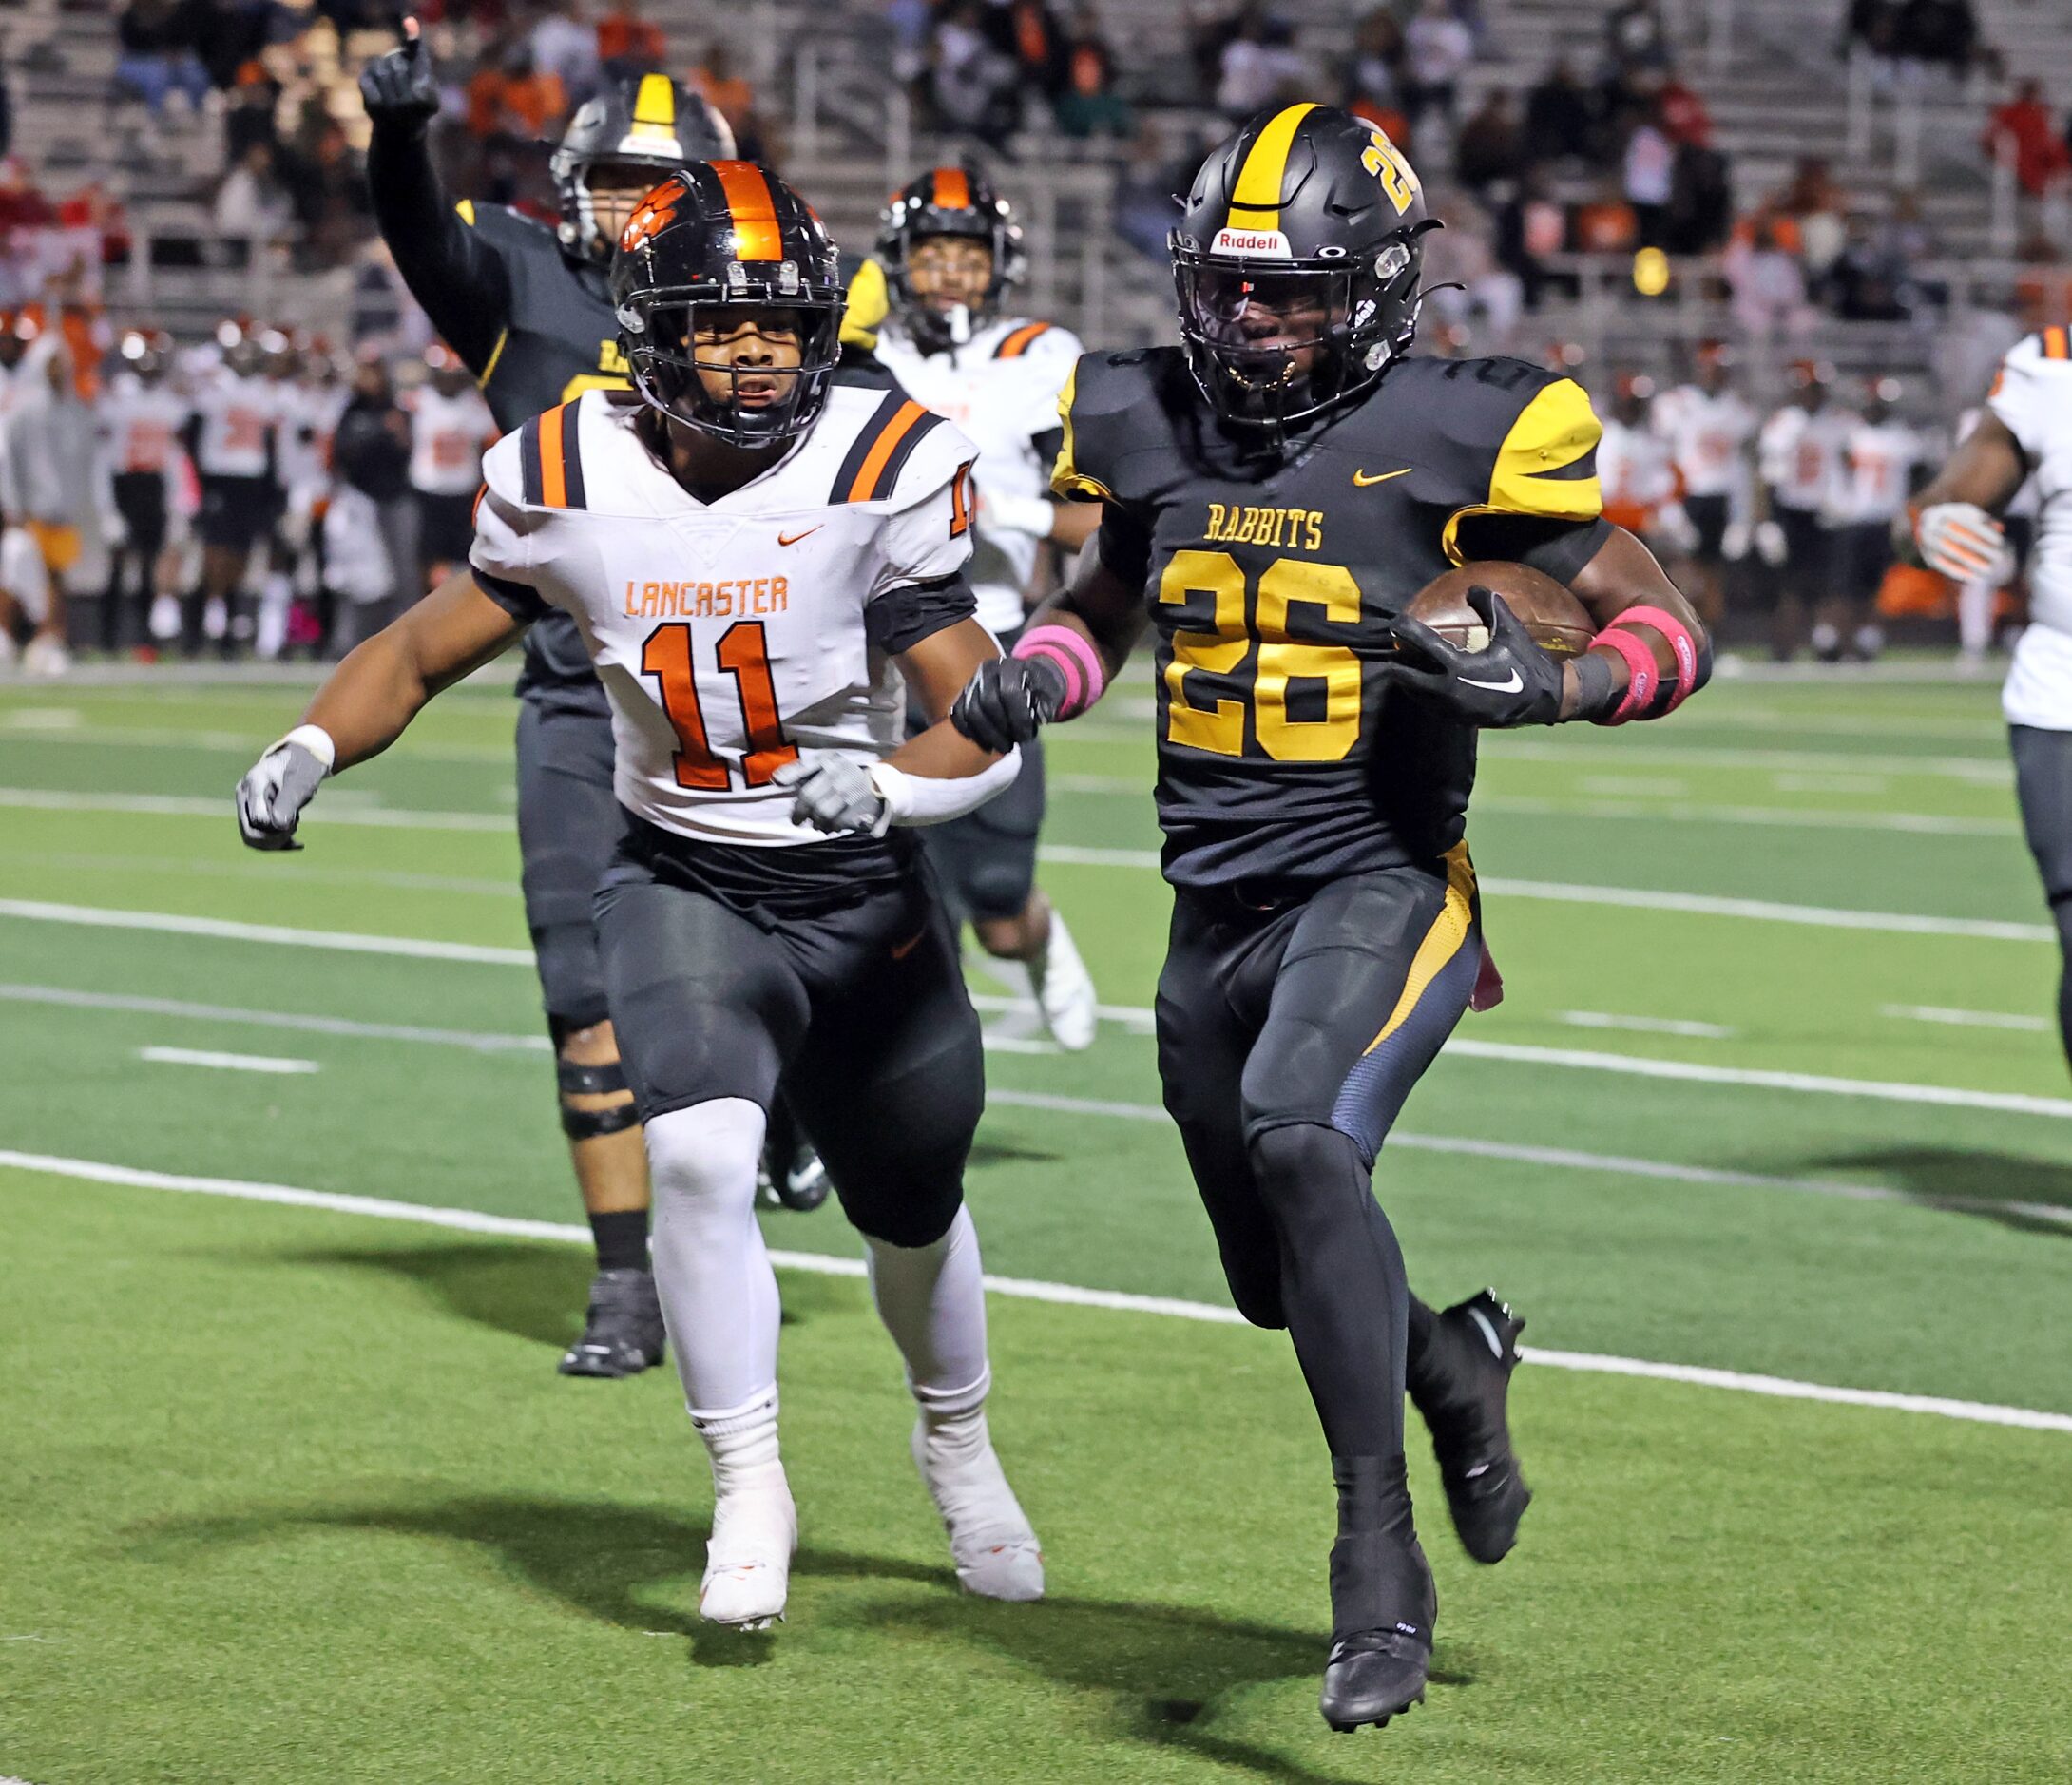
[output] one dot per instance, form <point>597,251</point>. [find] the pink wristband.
<point>1643,675</point>
<point>1681,645</point>
<point>1077,661</point>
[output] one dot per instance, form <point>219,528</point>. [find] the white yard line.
<point>1647,1024</point>
<point>221,811</point>
<point>1969,1019</point>
<point>480,1042</point>
<point>226,1062</point>
<point>40,910</point>
<point>1994,771</point>
<point>474,1222</point>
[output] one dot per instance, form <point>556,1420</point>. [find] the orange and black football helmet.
<point>957,201</point>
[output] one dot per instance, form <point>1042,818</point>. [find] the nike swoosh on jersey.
<point>1511,686</point>
<point>793,539</point>
<point>1362,479</point>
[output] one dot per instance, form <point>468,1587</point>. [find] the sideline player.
<point>2026,433</point>
<point>528,310</point>
<point>1709,427</point>
<point>450,430</point>
<point>950,253</point>
<point>1799,452</point>
<point>756,556</point>
<point>1274,492</point>
<point>231,437</point>
<point>140,416</point>
<point>1879,453</point>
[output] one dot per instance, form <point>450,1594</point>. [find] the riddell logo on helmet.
<point>1263,242</point>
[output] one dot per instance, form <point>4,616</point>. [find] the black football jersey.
<point>1272,578</point>
<point>558,338</point>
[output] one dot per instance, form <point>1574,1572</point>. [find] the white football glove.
<point>1962,541</point>
<point>279,784</point>
<point>1769,545</point>
<point>834,793</point>
<point>1034,515</point>
<point>1674,525</point>
<point>1734,542</point>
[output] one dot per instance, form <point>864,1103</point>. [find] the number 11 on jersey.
<point>744,654</point>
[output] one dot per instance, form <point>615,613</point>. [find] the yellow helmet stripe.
<point>1255,202</point>
<point>655,107</point>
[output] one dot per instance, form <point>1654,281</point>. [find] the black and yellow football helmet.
<point>1296,261</point>
<point>648,124</point>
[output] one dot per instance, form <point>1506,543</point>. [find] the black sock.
<point>1420,1331</point>
<point>622,1240</point>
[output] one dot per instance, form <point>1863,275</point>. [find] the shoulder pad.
<point>1105,406</point>
<point>507,229</point>
<point>895,435</point>
<point>540,465</point>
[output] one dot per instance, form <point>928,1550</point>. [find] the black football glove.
<point>399,88</point>
<point>1007,701</point>
<point>1509,681</point>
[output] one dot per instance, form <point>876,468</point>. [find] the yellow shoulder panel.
<point>466,209</point>
<point>868,305</point>
<point>1535,470</point>
<point>1066,479</point>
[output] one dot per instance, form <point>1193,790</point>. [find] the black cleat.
<point>1460,1385</point>
<point>623,1333</point>
<point>802,1185</point>
<point>1383,1603</point>
<point>1373,1677</point>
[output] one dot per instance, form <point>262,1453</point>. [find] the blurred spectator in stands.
<point>1378,58</point>
<point>1769,286</point>
<point>1874,26</point>
<point>565,46</point>
<point>1560,119</point>
<point>1436,47</point>
<point>6,115</point>
<point>155,50</point>
<point>1258,65</point>
<point>1700,200</point>
<point>1529,229</point>
<point>971,84</point>
<point>249,109</point>
<point>1816,208</point>
<point>2043,291</point>
<point>1635,37</point>
<point>512,101</point>
<point>1681,112</point>
<point>1606,222</point>
<point>228,36</point>
<point>729,94</point>
<point>1465,253</point>
<point>1647,174</point>
<point>1207,40</point>
<point>251,201</point>
<point>2023,132</point>
<point>328,188</point>
<point>1144,189</point>
<point>1088,102</point>
<point>371,454</point>
<point>1866,282</point>
<point>1025,30</point>
<point>627,43</point>
<point>1492,145</point>
<point>1938,32</point>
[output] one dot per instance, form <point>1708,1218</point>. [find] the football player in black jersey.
<point>1274,492</point>
<point>528,310</point>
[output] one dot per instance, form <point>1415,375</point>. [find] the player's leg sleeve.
<point>2042,776</point>
<point>890,1080</point>
<point>932,1301</point>
<point>719,1294</point>
<point>1203,1046</point>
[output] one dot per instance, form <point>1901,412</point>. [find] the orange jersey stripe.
<point>553,475</point>
<point>2055,345</point>
<point>953,190</point>
<point>1017,343</point>
<point>895,431</point>
<point>747,192</point>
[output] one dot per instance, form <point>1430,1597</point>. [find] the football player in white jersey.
<point>450,429</point>
<point>1879,453</point>
<point>1799,453</point>
<point>2025,434</point>
<point>232,439</point>
<point>950,253</point>
<point>1709,427</point>
<point>140,416</point>
<point>755,557</point>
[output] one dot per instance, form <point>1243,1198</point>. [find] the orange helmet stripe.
<point>746,189</point>
<point>953,190</point>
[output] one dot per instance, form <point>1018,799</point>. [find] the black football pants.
<point>2042,781</point>
<point>1290,1032</point>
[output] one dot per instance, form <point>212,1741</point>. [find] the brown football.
<point>1556,618</point>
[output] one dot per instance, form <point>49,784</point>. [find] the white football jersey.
<point>1001,388</point>
<point>447,439</point>
<point>140,425</point>
<point>1877,460</point>
<point>731,635</point>
<point>1636,473</point>
<point>2032,396</point>
<point>1707,434</point>
<point>239,416</point>
<point>1801,455</point>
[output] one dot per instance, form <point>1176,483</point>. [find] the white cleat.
<point>1064,991</point>
<point>46,655</point>
<point>991,1541</point>
<point>748,1560</point>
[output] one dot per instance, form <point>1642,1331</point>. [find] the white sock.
<point>932,1301</point>
<point>719,1294</point>
<point>742,1444</point>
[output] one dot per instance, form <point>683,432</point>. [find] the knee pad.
<point>704,1158</point>
<point>997,881</point>
<point>1305,1172</point>
<point>574,1080</point>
